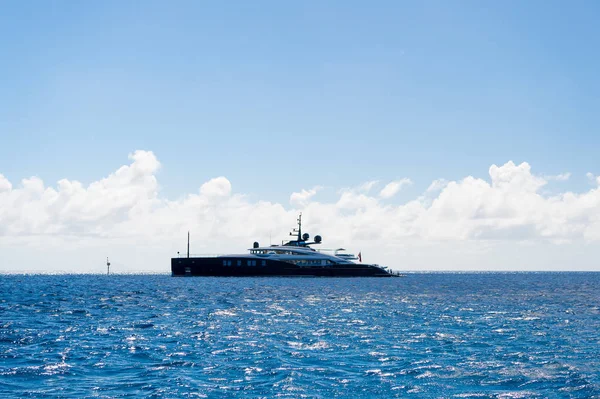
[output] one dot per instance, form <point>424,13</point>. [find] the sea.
<point>425,335</point>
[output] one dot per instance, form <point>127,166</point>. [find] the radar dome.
<point>318,239</point>
<point>305,236</point>
<point>256,244</point>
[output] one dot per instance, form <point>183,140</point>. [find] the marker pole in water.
<point>107,266</point>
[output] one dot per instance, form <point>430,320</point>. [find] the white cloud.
<point>515,177</point>
<point>217,187</point>
<point>392,188</point>
<point>4,184</point>
<point>302,198</point>
<point>560,177</point>
<point>125,209</point>
<point>593,179</point>
<point>436,186</point>
<point>366,187</point>
<point>350,200</point>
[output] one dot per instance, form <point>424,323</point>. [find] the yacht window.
<point>263,263</point>
<point>239,262</point>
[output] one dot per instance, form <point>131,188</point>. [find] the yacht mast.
<point>299,229</point>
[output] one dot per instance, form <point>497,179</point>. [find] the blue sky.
<point>330,94</point>
<point>298,105</point>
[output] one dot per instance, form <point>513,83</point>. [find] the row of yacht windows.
<point>309,262</point>
<point>299,262</point>
<point>245,263</point>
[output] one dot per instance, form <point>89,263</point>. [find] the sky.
<point>428,135</point>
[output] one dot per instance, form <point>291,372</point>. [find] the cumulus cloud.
<point>392,188</point>
<point>71,208</point>
<point>4,184</point>
<point>303,197</point>
<point>508,206</point>
<point>217,187</point>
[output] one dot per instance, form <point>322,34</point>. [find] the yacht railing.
<point>290,252</point>
<point>184,255</point>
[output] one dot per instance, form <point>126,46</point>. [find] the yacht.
<point>294,258</point>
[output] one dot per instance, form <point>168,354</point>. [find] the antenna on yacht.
<point>188,248</point>
<point>107,266</point>
<point>299,229</point>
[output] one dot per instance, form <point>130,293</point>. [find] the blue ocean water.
<point>444,335</point>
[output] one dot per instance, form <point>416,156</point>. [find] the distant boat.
<point>293,258</point>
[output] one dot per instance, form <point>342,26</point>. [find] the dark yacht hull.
<point>219,266</point>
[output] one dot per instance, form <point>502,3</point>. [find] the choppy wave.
<point>424,336</point>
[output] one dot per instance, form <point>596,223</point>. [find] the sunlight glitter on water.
<point>427,335</point>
